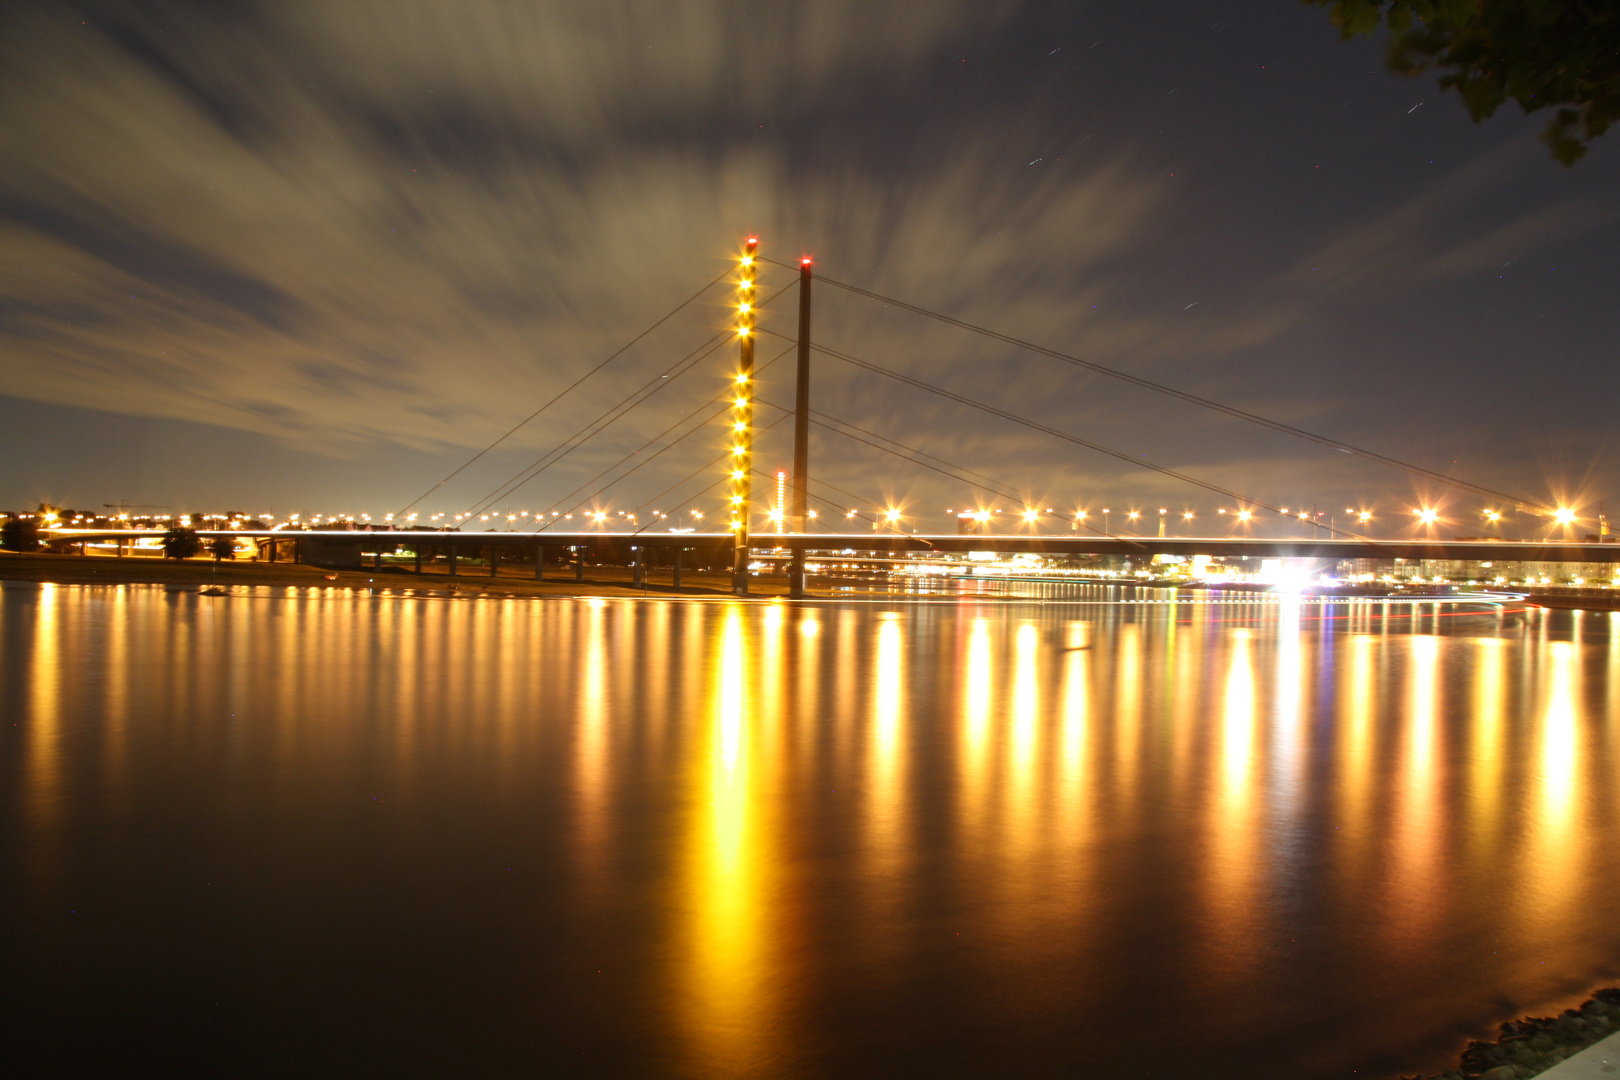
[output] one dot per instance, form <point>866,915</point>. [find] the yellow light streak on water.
<point>1358,746</point>
<point>978,673</point>
<point>720,989</point>
<point>1074,786</point>
<point>1127,718</point>
<point>1233,837</point>
<point>1556,853</point>
<point>1486,761</point>
<point>1417,831</point>
<point>593,733</point>
<point>1026,715</point>
<point>43,769</point>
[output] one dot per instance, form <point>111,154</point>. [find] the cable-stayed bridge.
<point>801,500</point>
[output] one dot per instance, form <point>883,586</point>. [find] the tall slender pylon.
<point>801,435</point>
<point>742,418</point>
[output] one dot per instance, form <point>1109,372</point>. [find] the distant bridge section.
<point>952,543</point>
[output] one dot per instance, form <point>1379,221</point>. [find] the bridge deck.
<point>1131,546</point>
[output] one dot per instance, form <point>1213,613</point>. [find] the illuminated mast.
<point>742,421</point>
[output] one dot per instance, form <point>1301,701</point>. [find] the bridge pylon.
<point>742,419</point>
<point>801,435</point>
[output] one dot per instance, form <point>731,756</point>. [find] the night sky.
<point>311,256</point>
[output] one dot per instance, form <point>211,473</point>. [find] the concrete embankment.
<point>1600,1061</point>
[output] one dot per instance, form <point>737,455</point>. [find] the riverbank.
<point>200,573</point>
<point>1537,1044</point>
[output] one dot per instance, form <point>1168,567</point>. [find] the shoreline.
<point>1537,1045</point>
<point>201,573</point>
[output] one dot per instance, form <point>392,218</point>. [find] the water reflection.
<point>720,982</point>
<point>763,839</point>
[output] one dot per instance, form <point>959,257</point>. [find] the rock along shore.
<point>1535,1044</point>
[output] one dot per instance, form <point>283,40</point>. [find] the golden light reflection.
<point>1127,728</point>
<point>1074,774</point>
<point>1357,746</point>
<point>807,689</point>
<point>1233,825</point>
<point>591,765</point>
<point>885,808</point>
<point>976,716</point>
<point>731,689</point>
<point>1416,835</point>
<point>721,987</point>
<point>43,771</point>
<point>1022,826</point>
<point>1487,761</point>
<point>1557,852</point>
<point>1288,735</point>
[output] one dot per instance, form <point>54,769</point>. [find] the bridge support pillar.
<point>539,564</point>
<point>675,575</point>
<point>796,575</point>
<point>452,556</point>
<point>418,559</point>
<point>579,564</point>
<point>638,568</point>
<point>494,559</point>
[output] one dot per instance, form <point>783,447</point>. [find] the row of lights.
<point>742,407</point>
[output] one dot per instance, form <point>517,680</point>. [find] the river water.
<point>331,834</point>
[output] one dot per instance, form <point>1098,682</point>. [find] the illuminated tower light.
<point>742,405</point>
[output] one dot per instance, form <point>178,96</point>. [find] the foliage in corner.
<point>1557,54</point>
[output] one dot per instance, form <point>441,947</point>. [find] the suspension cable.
<point>719,399</point>
<point>669,315</point>
<point>944,468</point>
<point>1036,425</point>
<point>606,418</point>
<point>1194,399</point>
